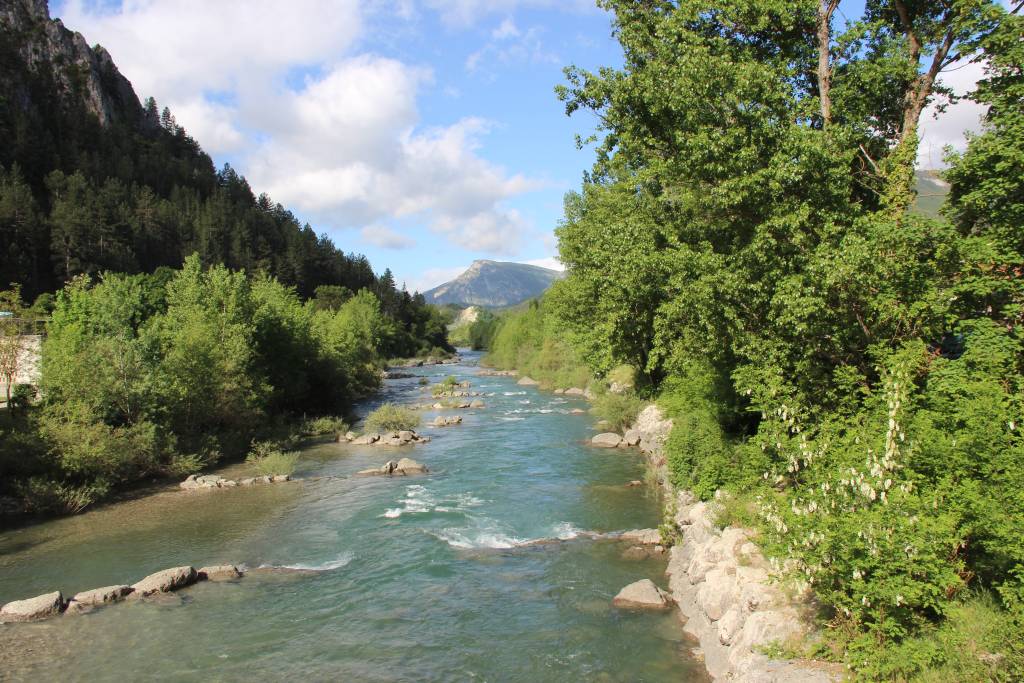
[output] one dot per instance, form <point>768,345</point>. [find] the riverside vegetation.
<point>165,374</point>
<point>849,369</point>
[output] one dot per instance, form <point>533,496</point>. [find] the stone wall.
<point>723,585</point>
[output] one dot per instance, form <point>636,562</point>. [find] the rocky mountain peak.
<point>83,74</point>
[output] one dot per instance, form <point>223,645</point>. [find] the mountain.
<point>931,192</point>
<point>495,284</point>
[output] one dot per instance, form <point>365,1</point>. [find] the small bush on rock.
<point>391,418</point>
<point>268,459</point>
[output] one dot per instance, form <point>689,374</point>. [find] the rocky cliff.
<point>34,45</point>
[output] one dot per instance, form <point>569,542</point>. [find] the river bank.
<point>437,577</point>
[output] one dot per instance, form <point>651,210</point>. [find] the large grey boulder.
<point>164,581</point>
<point>218,572</point>
<point>631,437</point>
<point>39,607</point>
<point>409,466</point>
<point>642,595</point>
<point>606,440</point>
<point>97,597</point>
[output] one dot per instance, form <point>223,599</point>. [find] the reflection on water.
<point>423,579</point>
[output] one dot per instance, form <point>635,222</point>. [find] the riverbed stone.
<point>410,466</point>
<point>606,440</point>
<point>366,439</point>
<point>164,581</point>
<point>642,594</point>
<point>631,437</point>
<point>247,481</point>
<point>575,391</point>
<point>577,411</point>
<point>527,382</point>
<point>31,609</point>
<point>476,404</point>
<point>279,478</point>
<point>97,597</point>
<point>218,572</point>
<point>642,536</point>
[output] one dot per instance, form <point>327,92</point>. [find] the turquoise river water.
<point>407,578</point>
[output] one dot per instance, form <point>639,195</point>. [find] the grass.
<point>391,418</point>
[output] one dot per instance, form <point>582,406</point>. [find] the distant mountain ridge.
<point>494,284</point>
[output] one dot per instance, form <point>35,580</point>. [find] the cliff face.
<point>83,75</point>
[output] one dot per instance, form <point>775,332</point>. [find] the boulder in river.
<point>39,607</point>
<point>218,572</point>
<point>642,536</point>
<point>577,411</point>
<point>97,597</point>
<point>446,420</point>
<point>631,437</point>
<point>403,467</point>
<point>366,439</point>
<point>164,581</point>
<point>476,404</point>
<point>278,478</point>
<point>642,594</point>
<point>527,382</point>
<point>606,440</point>
<point>575,391</point>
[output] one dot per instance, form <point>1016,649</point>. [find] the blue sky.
<point>423,133</point>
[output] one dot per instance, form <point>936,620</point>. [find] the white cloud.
<point>949,127</point>
<point>386,238</point>
<point>432,277</point>
<point>509,45</point>
<point>345,146</point>
<point>550,262</point>
<point>175,49</point>
<point>507,29</point>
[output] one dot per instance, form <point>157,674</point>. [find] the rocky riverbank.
<point>723,586</point>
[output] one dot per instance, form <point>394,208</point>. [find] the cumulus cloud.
<point>950,126</point>
<point>344,145</point>
<point>178,48</point>
<point>432,277</point>
<point>551,262</point>
<point>386,238</point>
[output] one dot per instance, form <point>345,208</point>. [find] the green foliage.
<point>391,418</point>
<point>267,459</point>
<point>449,384</point>
<point>319,426</point>
<point>618,410</point>
<point>530,341</point>
<point>482,331</point>
<point>744,242</point>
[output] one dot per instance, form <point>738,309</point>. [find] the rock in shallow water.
<point>606,440</point>
<point>97,597</point>
<point>164,581</point>
<point>39,607</point>
<point>220,572</point>
<point>642,594</point>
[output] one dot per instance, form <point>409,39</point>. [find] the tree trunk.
<point>825,11</point>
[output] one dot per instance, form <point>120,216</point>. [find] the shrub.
<point>391,418</point>
<point>42,495</point>
<point>618,410</point>
<point>268,459</point>
<point>449,384</point>
<point>324,425</point>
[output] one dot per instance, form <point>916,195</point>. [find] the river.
<point>411,578</point>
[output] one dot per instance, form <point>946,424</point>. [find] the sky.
<point>423,133</point>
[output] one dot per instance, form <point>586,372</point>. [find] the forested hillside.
<point>92,180</point>
<point>848,369</point>
<point>188,317</point>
